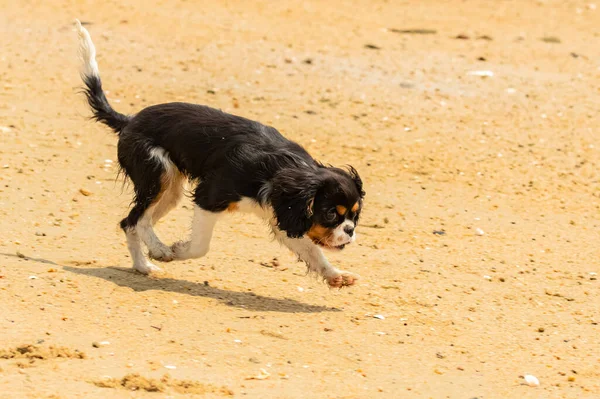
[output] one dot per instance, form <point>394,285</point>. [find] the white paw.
<point>146,267</point>
<point>341,279</point>
<point>162,253</point>
<point>181,249</point>
<point>184,250</point>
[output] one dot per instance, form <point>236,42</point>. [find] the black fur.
<point>103,112</point>
<point>291,196</point>
<point>230,157</point>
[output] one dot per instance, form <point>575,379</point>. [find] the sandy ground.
<point>505,166</point>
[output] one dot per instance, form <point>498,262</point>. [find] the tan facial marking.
<point>341,209</point>
<point>355,207</point>
<point>234,206</point>
<point>318,233</point>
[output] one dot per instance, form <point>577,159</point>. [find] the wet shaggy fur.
<point>235,164</point>
<point>230,156</point>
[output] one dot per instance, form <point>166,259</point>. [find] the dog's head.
<point>323,204</point>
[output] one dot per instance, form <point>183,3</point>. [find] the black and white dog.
<point>236,165</point>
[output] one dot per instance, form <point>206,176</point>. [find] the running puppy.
<point>237,165</point>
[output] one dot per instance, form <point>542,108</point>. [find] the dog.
<point>235,164</point>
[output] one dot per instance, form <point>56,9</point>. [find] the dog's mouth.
<point>329,246</point>
<point>338,247</point>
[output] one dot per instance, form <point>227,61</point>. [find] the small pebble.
<point>481,73</point>
<point>531,380</point>
<point>170,367</point>
<point>380,317</point>
<point>479,232</point>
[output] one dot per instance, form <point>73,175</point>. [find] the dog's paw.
<point>146,267</point>
<point>184,250</point>
<point>180,249</point>
<point>162,253</point>
<point>342,279</point>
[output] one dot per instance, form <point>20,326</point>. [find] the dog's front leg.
<point>312,255</point>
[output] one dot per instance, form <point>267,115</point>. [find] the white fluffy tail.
<point>90,75</point>
<point>87,53</point>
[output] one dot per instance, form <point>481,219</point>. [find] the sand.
<point>473,125</point>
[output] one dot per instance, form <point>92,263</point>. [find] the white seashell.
<point>479,231</point>
<point>531,380</point>
<point>263,375</point>
<point>379,316</point>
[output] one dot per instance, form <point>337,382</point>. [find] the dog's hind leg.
<point>151,179</point>
<point>209,204</point>
<point>171,190</point>
<point>171,195</point>
<point>203,225</point>
<point>134,222</point>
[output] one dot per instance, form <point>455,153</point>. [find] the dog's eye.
<point>331,215</point>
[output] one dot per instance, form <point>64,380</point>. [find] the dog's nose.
<point>349,230</point>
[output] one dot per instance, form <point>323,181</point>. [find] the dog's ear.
<point>357,180</point>
<point>292,198</point>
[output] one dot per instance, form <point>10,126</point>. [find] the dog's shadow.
<point>246,300</point>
